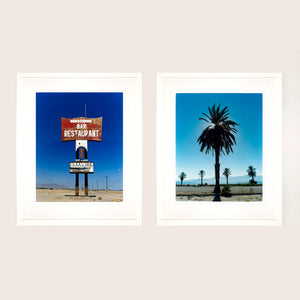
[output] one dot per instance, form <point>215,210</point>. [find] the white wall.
<point>291,147</point>
<point>149,262</point>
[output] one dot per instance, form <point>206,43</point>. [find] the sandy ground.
<point>48,195</point>
<point>205,193</point>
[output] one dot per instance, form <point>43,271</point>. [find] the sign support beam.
<point>86,185</point>
<point>77,185</point>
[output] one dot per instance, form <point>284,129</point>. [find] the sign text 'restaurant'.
<point>81,129</point>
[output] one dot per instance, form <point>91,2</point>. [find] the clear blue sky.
<point>53,155</point>
<point>245,109</point>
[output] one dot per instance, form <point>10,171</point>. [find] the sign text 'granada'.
<point>81,129</point>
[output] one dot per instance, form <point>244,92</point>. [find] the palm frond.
<point>219,134</point>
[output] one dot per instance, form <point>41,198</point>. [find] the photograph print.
<point>79,147</point>
<point>219,147</point>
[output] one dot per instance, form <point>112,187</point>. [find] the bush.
<point>205,183</point>
<point>253,181</point>
<point>226,192</point>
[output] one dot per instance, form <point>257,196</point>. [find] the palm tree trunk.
<point>201,180</point>
<point>217,172</point>
<point>181,182</point>
<point>227,179</point>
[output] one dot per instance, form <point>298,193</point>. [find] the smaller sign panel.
<point>81,153</point>
<point>89,129</point>
<point>81,167</point>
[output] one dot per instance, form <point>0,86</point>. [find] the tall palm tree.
<point>217,137</point>
<point>251,172</point>
<point>226,173</point>
<point>201,174</point>
<point>182,176</point>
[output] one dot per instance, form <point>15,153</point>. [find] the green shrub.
<point>226,192</point>
<point>252,181</point>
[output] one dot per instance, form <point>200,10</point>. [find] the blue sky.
<point>53,155</point>
<point>245,109</point>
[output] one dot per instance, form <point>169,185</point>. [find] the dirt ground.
<point>205,193</point>
<point>55,195</point>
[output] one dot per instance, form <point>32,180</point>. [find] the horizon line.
<point>207,178</point>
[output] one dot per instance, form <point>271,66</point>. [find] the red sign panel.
<point>81,129</point>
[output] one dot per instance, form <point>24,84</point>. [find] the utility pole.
<point>97,184</point>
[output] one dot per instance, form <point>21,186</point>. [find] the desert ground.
<point>56,195</point>
<point>205,193</point>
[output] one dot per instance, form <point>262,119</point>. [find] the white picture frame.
<point>31,212</point>
<point>172,212</point>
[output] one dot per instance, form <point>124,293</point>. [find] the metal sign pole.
<point>77,184</point>
<point>86,184</point>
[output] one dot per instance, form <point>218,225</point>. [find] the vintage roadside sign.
<point>81,167</point>
<point>89,129</point>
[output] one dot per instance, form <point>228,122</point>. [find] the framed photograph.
<point>219,149</point>
<point>79,149</point>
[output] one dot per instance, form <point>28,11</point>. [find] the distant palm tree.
<point>217,137</point>
<point>182,176</point>
<point>251,172</point>
<point>201,174</point>
<point>226,173</point>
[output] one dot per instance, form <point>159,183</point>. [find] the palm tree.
<point>217,137</point>
<point>182,176</point>
<point>226,173</point>
<point>201,174</point>
<point>251,172</point>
